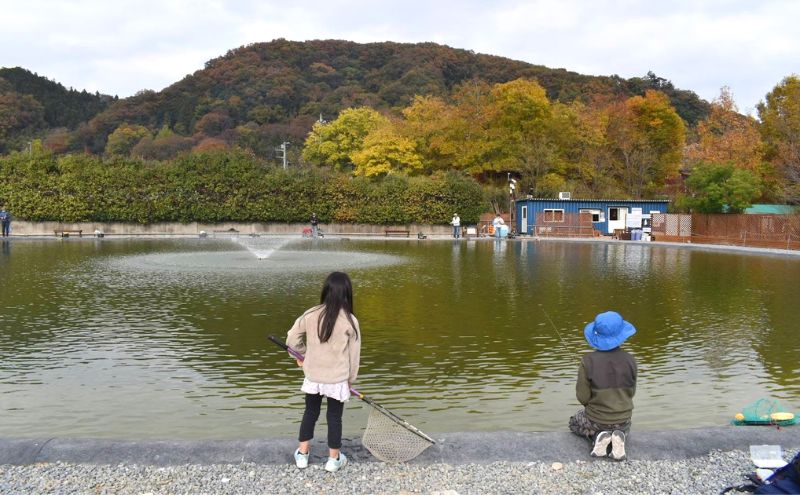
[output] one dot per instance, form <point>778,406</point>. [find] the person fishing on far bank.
<point>314,224</point>
<point>456,223</point>
<point>5,221</point>
<point>497,223</point>
<point>606,386</point>
<point>328,337</point>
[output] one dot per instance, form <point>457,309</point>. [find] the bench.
<point>232,232</point>
<point>67,232</point>
<point>402,232</point>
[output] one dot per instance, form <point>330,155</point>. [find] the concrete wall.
<point>23,228</point>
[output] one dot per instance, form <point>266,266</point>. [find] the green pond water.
<point>145,338</point>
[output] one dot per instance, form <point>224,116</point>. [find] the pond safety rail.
<point>546,230</point>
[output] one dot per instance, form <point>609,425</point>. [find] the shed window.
<point>597,215</point>
<point>553,215</point>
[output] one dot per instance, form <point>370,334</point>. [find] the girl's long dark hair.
<point>337,295</point>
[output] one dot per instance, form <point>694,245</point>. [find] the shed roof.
<point>764,209</point>
<point>575,200</point>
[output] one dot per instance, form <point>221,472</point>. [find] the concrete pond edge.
<point>451,448</point>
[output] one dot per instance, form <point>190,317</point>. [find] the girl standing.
<point>328,337</point>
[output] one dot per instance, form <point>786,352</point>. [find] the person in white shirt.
<point>496,223</point>
<point>456,223</point>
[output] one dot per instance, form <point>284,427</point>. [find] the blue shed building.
<point>607,214</point>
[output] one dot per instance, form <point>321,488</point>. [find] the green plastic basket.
<point>761,412</point>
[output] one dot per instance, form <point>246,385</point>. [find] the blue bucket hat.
<point>607,331</point>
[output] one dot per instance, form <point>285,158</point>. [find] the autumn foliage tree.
<point>726,136</point>
<point>648,136</point>
<point>385,152</point>
<point>21,117</point>
<point>780,118</point>
<point>628,147</point>
<point>334,143</point>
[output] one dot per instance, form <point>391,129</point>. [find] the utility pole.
<point>512,186</point>
<point>282,151</point>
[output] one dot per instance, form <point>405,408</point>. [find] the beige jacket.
<point>334,361</point>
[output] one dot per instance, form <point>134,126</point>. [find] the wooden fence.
<point>769,231</point>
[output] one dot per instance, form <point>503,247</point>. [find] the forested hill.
<point>61,107</point>
<point>276,90</point>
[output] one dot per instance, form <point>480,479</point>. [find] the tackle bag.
<point>784,480</point>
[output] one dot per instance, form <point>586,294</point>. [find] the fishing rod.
<point>560,338</point>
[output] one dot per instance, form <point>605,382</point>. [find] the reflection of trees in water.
<point>39,299</point>
<point>459,322</point>
<point>776,340</point>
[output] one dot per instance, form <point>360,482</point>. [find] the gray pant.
<point>588,429</point>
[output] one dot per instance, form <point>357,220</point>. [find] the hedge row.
<point>217,187</point>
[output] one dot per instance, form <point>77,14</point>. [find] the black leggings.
<point>334,416</point>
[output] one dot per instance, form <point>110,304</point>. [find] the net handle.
<point>301,358</point>
<point>397,419</point>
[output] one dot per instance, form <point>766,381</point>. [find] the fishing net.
<point>392,440</point>
<point>765,412</point>
<point>387,436</point>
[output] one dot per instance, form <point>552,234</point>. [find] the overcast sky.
<point>122,46</point>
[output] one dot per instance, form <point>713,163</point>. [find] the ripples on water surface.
<point>167,338</point>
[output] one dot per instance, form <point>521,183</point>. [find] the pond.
<point>166,338</point>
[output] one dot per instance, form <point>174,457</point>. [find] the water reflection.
<point>134,339</point>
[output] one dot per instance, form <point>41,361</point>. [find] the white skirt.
<point>339,391</point>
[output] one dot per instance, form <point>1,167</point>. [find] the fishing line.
<point>560,338</point>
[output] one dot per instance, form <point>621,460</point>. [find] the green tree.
<point>124,138</point>
<point>165,131</point>
<point>720,188</point>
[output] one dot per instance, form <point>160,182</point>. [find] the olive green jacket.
<point>606,386</point>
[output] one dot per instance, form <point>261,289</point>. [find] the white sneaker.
<point>601,442</point>
<point>334,465</point>
<point>618,445</point>
<point>301,459</point>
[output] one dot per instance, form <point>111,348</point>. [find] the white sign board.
<point>634,219</point>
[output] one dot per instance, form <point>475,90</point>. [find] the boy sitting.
<point>606,386</point>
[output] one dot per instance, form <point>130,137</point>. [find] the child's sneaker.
<point>618,445</point>
<point>334,465</point>
<point>301,459</point>
<point>601,442</point>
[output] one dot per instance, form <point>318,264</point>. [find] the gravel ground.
<point>702,475</point>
